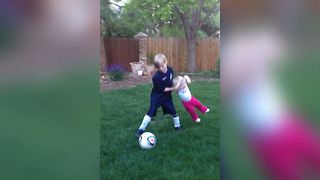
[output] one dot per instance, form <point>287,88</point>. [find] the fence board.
<point>207,52</point>
<point>122,51</point>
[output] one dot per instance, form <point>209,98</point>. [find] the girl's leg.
<point>282,154</point>
<point>198,105</point>
<point>190,109</point>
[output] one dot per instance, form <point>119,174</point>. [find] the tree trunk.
<point>103,58</point>
<point>191,53</point>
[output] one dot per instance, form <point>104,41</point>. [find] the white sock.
<point>176,121</point>
<point>145,122</point>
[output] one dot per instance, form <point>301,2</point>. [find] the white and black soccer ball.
<point>147,140</point>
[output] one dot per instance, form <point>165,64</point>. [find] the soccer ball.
<point>147,140</point>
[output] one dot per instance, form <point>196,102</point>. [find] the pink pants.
<point>190,105</point>
<point>285,155</point>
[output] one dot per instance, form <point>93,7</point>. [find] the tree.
<point>123,20</point>
<point>164,17</point>
<point>108,18</point>
<point>110,26</point>
<point>193,18</point>
<point>193,15</point>
<point>106,15</point>
<point>104,12</point>
<point>103,58</point>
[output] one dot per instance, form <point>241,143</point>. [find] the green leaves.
<point>151,16</point>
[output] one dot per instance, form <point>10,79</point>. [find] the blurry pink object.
<point>283,143</point>
<point>288,152</point>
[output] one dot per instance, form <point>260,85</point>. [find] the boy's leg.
<point>190,108</point>
<point>169,108</point>
<point>198,105</point>
<point>176,121</point>
<point>147,118</point>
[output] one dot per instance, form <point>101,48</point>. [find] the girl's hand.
<point>187,78</point>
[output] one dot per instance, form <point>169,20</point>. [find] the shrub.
<point>115,72</point>
<point>150,57</point>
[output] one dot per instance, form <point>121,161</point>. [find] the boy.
<point>160,98</point>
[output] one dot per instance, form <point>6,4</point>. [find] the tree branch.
<point>194,13</point>
<point>199,12</point>
<point>184,21</point>
<point>213,10</point>
<point>180,13</point>
<point>116,4</point>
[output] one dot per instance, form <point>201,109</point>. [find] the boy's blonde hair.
<point>159,59</point>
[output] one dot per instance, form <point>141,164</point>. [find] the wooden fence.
<point>124,51</point>
<point>175,49</point>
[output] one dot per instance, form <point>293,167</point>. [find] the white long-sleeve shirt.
<point>185,94</point>
<point>260,108</point>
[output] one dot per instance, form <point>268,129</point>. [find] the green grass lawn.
<point>190,154</point>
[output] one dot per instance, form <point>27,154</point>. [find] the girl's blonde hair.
<point>177,80</point>
<point>159,59</point>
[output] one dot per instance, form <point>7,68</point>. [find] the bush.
<point>150,57</point>
<point>115,72</point>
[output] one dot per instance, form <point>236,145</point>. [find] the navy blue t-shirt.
<point>158,96</point>
<point>161,81</point>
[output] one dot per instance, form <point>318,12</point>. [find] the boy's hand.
<point>187,78</point>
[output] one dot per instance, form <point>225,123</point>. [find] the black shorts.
<point>167,107</point>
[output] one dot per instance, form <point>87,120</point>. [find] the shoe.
<point>178,128</point>
<point>207,110</point>
<point>139,132</point>
<point>197,120</point>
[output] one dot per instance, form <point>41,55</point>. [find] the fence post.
<point>142,46</point>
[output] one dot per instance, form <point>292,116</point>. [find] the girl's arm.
<point>187,78</point>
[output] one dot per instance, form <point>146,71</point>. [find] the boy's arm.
<point>169,89</point>
<point>175,88</point>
